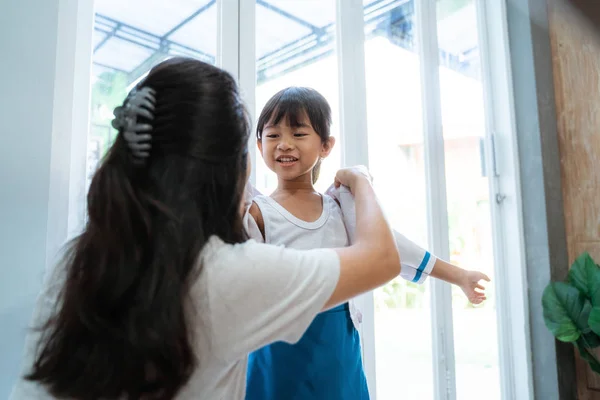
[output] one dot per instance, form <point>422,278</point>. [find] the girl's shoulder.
<point>332,200</point>
<point>334,193</point>
<point>256,214</point>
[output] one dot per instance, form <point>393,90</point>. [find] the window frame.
<point>442,324</point>
<point>355,143</point>
<point>236,53</point>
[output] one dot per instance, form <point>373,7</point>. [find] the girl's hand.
<point>351,176</point>
<point>472,288</point>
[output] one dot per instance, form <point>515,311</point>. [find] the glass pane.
<point>469,218</point>
<point>130,37</point>
<point>403,355</point>
<point>295,46</point>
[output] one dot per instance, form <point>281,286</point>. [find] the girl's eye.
<point>272,135</point>
<point>300,134</point>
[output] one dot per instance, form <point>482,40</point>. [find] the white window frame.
<point>236,53</point>
<point>514,347</point>
<point>350,51</point>
<point>247,77</point>
<point>72,119</point>
<point>442,330</point>
<point>234,46</point>
<point>501,159</point>
<point>228,36</point>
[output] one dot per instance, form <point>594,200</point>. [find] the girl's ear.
<point>259,144</point>
<point>327,146</point>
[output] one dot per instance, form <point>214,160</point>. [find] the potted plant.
<point>572,308</point>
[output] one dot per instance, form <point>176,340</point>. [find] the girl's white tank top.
<point>283,228</point>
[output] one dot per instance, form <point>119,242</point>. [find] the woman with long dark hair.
<point>161,296</point>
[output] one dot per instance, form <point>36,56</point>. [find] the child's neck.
<point>296,185</point>
<point>300,198</point>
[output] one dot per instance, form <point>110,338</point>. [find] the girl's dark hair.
<point>293,103</point>
<point>120,328</point>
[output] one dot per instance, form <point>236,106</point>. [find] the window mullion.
<point>247,69</point>
<point>353,130</point>
<point>437,215</point>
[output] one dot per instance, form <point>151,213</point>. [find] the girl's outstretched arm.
<point>417,263</point>
<point>468,281</point>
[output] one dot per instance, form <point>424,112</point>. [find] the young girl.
<point>293,137</point>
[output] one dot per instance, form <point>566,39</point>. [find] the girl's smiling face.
<point>291,148</point>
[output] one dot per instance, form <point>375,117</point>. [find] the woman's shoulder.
<point>221,258</point>
<point>216,251</point>
<point>222,266</point>
<point>227,271</point>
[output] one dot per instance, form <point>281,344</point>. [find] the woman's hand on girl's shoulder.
<point>351,176</point>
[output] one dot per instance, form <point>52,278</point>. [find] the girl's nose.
<point>284,145</point>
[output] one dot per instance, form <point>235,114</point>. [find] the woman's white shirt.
<point>244,297</point>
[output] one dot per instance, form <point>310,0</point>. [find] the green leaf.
<point>566,311</point>
<point>591,340</point>
<point>594,320</point>
<point>585,276</point>
<point>588,356</point>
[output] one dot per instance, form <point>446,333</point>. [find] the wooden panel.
<point>591,382</point>
<point>576,62</point>
<point>576,66</point>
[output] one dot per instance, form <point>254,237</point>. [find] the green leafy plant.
<point>572,308</point>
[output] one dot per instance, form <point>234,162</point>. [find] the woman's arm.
<point>372,259</point>
<point>417,263</point>
<point>259,293</point>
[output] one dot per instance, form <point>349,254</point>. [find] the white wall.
<point>38,81</point>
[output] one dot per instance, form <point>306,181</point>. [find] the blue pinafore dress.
<point>326,363</point>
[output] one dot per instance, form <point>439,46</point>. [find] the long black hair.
<point>292,103</point>
<point>119,328</point>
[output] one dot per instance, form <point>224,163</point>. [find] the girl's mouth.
<point>286,161</point>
